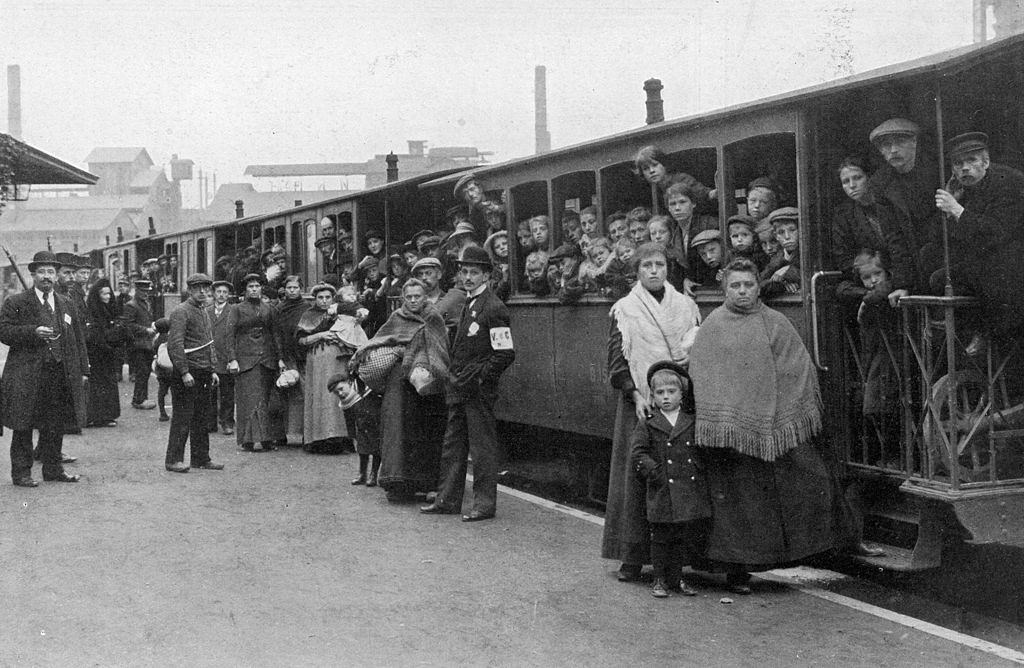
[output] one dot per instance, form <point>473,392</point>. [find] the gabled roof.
<point>102,154</point>
<point>91,220</point>
<point>36,167</point>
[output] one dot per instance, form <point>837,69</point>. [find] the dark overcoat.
<point>137,317</point>
<point>482,349</point>
<point>665,456</point>
<point>19,317</point>
<point>252,342</point>
<point>221,333</point>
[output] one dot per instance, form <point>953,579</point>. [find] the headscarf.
<point>755,387</point>
<point>98,311</point>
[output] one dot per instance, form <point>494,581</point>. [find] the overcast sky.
<point>229,83</point>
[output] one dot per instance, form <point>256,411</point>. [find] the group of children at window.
<point>596,259</point>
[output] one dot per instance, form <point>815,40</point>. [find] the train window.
<point>528,209</point>
<point>295,254</point>
<point>572,193</point>
<point>314,265</point>
<point>201,261</point>
<point>622,189</point>
<point>701,164</point>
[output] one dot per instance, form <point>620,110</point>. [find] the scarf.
<point>313,320</point>
<point>755,387</point>
<point>653,331</point>
<point>423,335</point>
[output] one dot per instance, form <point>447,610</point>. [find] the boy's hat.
<point>428,243</point>
<point>333,381</point>
<point>373,233</point>
<point>198,279</point>
<point>742,219</point>
<point>463,181</point>
<point>565,250</point>
<point>705,237</point>
<point>786,213</point>
<point>763,228</point>
<point>969,142</point>
<point>226,284</point>
<point>895,126</point>
<point>254,277</point>
<point>667,365</point>
<point>426,263</point>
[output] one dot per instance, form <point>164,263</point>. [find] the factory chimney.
<point>655,105</point>
<point>392,161</point>
<point>239,209</point>
<point>14,101</point>
<point>540,103</point>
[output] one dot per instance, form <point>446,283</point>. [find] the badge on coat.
<point>67,319</point>
<point>474,327</point>
<point>501,338</point>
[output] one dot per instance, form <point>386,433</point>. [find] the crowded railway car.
<point>952,469</point>
<point>397,209</point>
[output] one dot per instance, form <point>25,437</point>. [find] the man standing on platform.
<point>47,365</point>
<point>481,352</point>
<point>193,353</point>
<point>137,317</point>
<point>225,394</point>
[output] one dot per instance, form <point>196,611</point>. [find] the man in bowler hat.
<point>481,352</point>
<point>47,366</point>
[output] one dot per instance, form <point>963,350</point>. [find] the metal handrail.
<point>814,316</point>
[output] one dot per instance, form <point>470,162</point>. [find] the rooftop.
<point>102,154</point>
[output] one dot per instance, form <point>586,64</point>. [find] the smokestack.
<point>14,101</point>
<point>239,209</point>
<point>655,106</point>
<point>392,161</point>
<point>540,103</point>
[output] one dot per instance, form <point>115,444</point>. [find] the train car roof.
<point>36,167</point>
<point>943,62</point>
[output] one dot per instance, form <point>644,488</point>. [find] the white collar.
<point>44,297</point>
<point>476,293</point>
<point>671,416</point>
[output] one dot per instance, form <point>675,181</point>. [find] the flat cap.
<point>143,284</point>
<point>248,278</point>
<point>742,219</point>
<point>785,213</point>
<point>565,250</point>
<point>462,229</point>
<point>151,260</point>
<point>198,279</point>
<point>426,263</point>
<point>226,284</point>
<point>895,126</point>
<point>426,243</point>
<point>705,237</point>
<point>333,381</point>
<point>421,233</point>
<point>373,233</point>
<point>463,181</point>
<point>667,365</point>
<point>968,142</point>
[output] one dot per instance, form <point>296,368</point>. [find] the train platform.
<point>278,560</point>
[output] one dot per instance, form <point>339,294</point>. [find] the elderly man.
<point>907,182</point>
<point>985,205</point>
<point>137,317</point>
<point>481,352</point>
<point>47,365</point>
<point>192,351</point>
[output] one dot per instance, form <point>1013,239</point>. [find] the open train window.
<point>526,201</point>
<point>772,156</point>
<point>701,164</point>
<point>622,189</point>
<point>201,261</point>
<point>572,192</point>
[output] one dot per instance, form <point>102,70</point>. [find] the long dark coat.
<point>667,459</point>
<point>19,317</point>
<point>221,334</point>
<point>137,317</point>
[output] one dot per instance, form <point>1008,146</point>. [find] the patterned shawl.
<point>756,389</point>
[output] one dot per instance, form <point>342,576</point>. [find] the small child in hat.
<point>665,456</point>
<point>743,241</point>
<point>563,273</point>
<point>707,257</point>
<point>594,269</point>
<point>782,274</point>
<point>536,273</point>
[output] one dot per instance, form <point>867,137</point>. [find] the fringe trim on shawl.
<point>725,427</point>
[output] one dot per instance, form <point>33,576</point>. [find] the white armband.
<point>501,338</point>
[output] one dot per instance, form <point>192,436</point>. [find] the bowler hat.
<point>969,142</point>
<point>426,263</point>
<point>475,255</point>
<point>84,262</point>
<point>198,279</point>
<point>785,213</point>
<point>705,237</point>
<point>67,260</point>
<point>41,258</point>
<point>226,284</point>
<point>463,181</point>
<point>895,126</point>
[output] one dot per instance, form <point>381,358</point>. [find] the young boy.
<point>536,278</point>
<point>782,274</point>
<point>563,274</point>
<point>616,226</point>
<point>743,240</point>
<point>572,231</point>
<point>706,259</point>
<point>663,453</point>
<point>540,229</point>
<point>766,238</point>
<point>636,222</point>
<point>593,270</point>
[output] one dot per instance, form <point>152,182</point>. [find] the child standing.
<point>663,453</point>
<point>164,375</point>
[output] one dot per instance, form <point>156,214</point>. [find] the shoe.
<point>361,480</point>
<point>628,573</point>
<point>25,482</point>
<point>437,509</point>
<point>68,459</point>
<point>249,447</point>
<point>477,516</point>
<point>210,466</point>
<point>658,589</point>
<point>227,431</point>
<point>147,405</point>
<point>61,477</point>
<point>177,467</point>
<point>109,423</point>
<point>164,417</point>
<point>431,497</point>
<point>372,480</point>
<point>267,446</point>
<point>862,549</point>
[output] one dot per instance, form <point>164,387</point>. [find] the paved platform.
<point>278,560</point>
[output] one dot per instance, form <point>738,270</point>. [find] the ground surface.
<point>278,560</point>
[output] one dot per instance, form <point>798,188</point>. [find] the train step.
<point>899,559</point>
<point>893,527</point>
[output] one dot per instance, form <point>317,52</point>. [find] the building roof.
<point>64,220</point>
<point>145,179</point>
<point>36,167</point>
<point>256,203</point>
<point>102,154</point>
<point>307,169</point>
<point>75,203</point>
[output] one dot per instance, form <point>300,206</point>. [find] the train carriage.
<point>952,472</point>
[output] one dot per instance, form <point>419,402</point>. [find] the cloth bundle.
<point>420,341</point>
<point>375,366</point>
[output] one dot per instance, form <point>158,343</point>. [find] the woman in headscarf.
<point>413,412</point>
<point>104,337</point>
<point>654,322</point>
<point>775,496</point>
<point>324,428</point>
<point>286,316</point>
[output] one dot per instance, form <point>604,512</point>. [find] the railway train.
<point>954,472</point>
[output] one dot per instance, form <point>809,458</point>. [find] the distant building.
<point>254,203</point>
<point>417,162</point>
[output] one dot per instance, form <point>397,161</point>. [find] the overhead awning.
<point>34,167</point>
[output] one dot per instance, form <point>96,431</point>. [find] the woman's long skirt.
<point>104,402</point>
<point>252,405</point>
<point>412,431</point>
<point>626,532</point>
<point>322,417</point>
